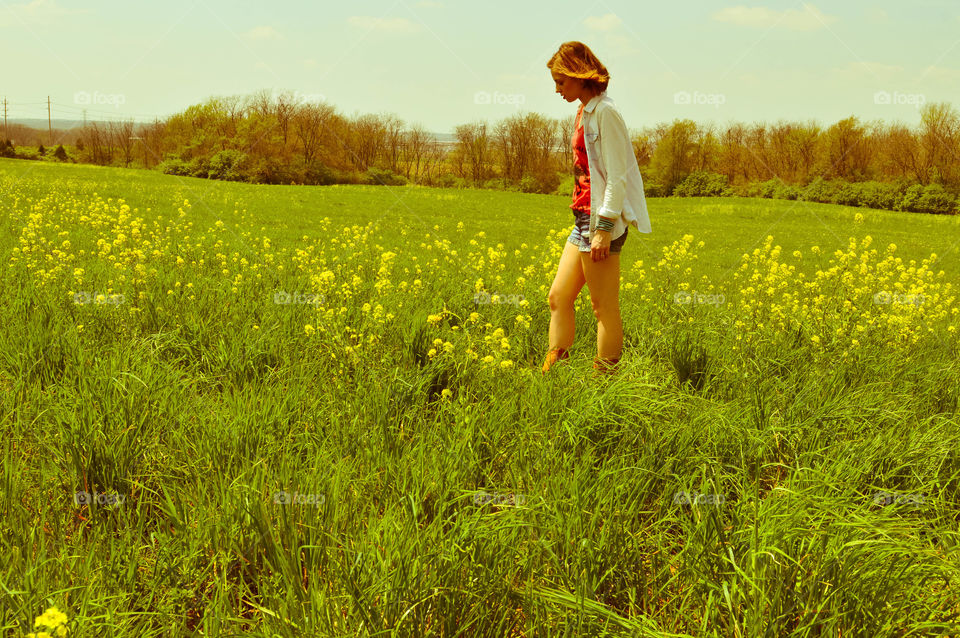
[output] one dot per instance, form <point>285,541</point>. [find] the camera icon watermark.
<point>686,98</point>
<point>508,499</point>
<point>104,499</point>
<point>484,297</point>
<point>296,498</point>
<point>83,298</point>
<point>886,98</point>
<point>892,498</point>
<point>286,298</point>
<point>696,498</point>
<point>86,98</point>
<point>297,97</point>
<point>485,97</point>
<point>683,297</point>
<point>885,298</point>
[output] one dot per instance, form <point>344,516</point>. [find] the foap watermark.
<point>111,499</point>
<point>86,98</point>
<point>683,297</point>
<point>696,498</point>
<point>286,298</point>
<point>707,99</point>
<point>83,298</point>
<point>486,97</point>
<point>298,97</point>
<point>897,98</point>
<point>296,498</point>
<point>483,498</point>
<point>484,297</point>
<point>885,298</point>
<point>891,498</point>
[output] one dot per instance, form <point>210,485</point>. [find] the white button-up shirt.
<point>616,188</point>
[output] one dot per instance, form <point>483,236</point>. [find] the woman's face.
<point>569,88</point>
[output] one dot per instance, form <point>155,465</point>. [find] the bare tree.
<point>122,133</point>
<point>902,154</point>
<point>940,141</point>
<point>415,148</point>
<point>473,147</point>
<point>392,141</point>
<point>366,141</point>
<point>565,130</point>
<point>309,121</point>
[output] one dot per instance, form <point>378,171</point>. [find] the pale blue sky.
<point>436,62</point>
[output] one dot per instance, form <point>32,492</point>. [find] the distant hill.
<point>447,139</point>
<point>42,124</point>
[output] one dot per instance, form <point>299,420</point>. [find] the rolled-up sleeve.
<point>614,144</point>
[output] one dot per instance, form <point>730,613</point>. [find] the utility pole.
<point>49,122</point>
<point>5,136</point>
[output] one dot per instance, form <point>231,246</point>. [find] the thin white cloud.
<point>607,22</point>
<point>36,12</point>
<point>855,71</point>
<point>807,19</point>
<point>263,32</point>
<point>942,73</point>
<point>429,4</point>
<point>386,25</point>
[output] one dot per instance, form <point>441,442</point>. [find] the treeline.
<point>276,139</point>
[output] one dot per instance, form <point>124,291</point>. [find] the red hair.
<point>576,60</point>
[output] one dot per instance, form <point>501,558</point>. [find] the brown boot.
<point>605,367</point>
<point>553,356</point>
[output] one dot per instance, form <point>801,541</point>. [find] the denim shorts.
<point>582,225</point>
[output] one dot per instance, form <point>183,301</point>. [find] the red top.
<point>581,169</point>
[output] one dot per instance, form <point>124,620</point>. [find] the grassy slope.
<point>197,419</point>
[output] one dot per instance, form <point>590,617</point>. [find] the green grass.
<point>717,486</point>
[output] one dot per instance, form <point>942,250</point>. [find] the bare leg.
<point>563,293</point>
<point>603,281</point>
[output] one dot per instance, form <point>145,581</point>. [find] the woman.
<point>607,198</point>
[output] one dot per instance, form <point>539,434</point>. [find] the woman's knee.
<point>560,300</point>
<point>605,308</point>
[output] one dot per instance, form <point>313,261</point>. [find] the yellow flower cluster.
<point>859,297</point>
<point>52,623</point>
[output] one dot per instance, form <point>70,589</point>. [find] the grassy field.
<point>231,410</point>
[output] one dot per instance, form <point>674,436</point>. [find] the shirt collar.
<point>592,104</point>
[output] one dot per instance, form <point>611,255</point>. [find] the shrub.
<point>41,151</point>
<point>60,153</point>
<point>318,173</point>
<point>652,189</point>
<point>819,190</point>
<point>448,180</point>
<point>911,198</point>
<point>198,167</point>
<point>528,184</point>
<point>542,182</point>
<point>769,188</point>
<point>379,176</point>
<point>847,195</point>
<point>7,150</point>
<point>703,184</point>
<point>786,191</point>
<point>268,170</point>
<point>227,165</point>
<point>935,199</point>
<point>881,195</point>
<point>565,187</point>
<point>173,166</point>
